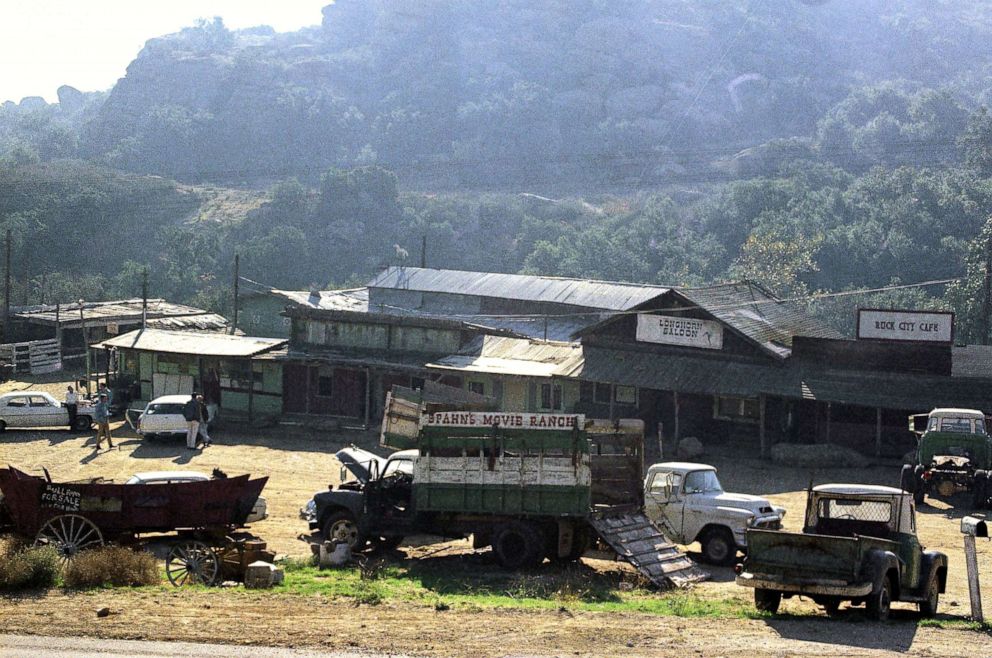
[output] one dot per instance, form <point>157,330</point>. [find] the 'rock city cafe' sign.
<point>673,330</point>
<point>915,326</point>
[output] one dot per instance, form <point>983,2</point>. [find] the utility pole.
<point>237,267</point>
<point>423,251</point>
<point>86,344</point>
<point>6,290</point>
<point>987,291</point>
<point>144,298</point>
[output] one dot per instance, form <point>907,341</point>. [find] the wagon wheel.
<point>69,534</point>
<point>191,563</point>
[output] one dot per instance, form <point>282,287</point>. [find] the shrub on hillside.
<point>112,565</point>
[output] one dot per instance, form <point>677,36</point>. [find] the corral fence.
<point>35,357</point>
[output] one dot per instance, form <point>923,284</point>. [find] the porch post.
<point>878,431</point>
<point>676,432</point>
<point>251,394</point>
<point>613,396</point>
<point>762,435</point>
<point>828,421</point>
<point>368,395</point>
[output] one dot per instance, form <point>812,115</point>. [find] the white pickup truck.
<point>688,504</point>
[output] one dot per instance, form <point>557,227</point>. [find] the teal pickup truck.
<point>953,456</point>
<point>858,544</point>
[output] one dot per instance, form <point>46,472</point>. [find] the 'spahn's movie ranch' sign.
<point>915,326</point>
<point>514,420</point>
<point>671,330</point>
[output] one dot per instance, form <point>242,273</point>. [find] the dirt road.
<point>299,463</point>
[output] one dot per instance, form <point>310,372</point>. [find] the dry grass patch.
<point>112,566</point>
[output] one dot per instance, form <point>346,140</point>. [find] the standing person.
<point>203,416</point>
<point>103,390</point>
<point>71,405</point>
<point>101,414</point>
<point>191,412</point>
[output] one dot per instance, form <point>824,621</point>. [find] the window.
<point>325,386</point>
<point>551,396</point>
<point>626,395</point>
<point>38,401</point>
<point>17,402</point>
<point>477,387</point>
<point>736,409</point>
<point>602,393</point>
<point>702,482</point>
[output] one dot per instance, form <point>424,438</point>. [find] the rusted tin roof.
<point>514,356</point>
<point>355,299</point>
<point>119,311</point>
<point>192,342</point>
<point>759,315</point>
<point>607,295</point>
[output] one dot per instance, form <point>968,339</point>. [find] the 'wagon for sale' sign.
<point>913,326</point>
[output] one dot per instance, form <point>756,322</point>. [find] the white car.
<point>40,409</point>
<point>163,416</point>
<point>688,504</point>
<point>258,512</point>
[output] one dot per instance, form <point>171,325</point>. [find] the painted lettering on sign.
<point>60,497</point>
<point>514,420</point>
<point>672,330</point>
<point>914,326</point>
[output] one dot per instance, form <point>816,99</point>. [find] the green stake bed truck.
<point>859,544</point>
<point>530,485</point>
<point>953,455</point>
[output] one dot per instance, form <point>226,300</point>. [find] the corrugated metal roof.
<point>201,322</point>
<point>896,390</point>
<point>190,342</point>
<point>354,299</point>
<point>687,374</point>
<point>514,356</point>
<point>607,295</point>
<point>759,315</point>
<point>123,310</point>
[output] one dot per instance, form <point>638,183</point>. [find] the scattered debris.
<point>103,612</point>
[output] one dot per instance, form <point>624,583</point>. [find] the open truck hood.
<point>360,463</point>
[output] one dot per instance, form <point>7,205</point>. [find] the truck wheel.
<point>341,526</point>
<point>980,490</point>
<point>719,547</point>
<point>580,544</point>
<point>928,608</point>
<point>907,481</point>
<point>880,602</point>
<point>518,544</point>
<point>767,600</point>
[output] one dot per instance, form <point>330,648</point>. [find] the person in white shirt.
<point>71,405</point>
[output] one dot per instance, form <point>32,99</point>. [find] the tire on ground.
<point>907,480</point>
<point>879,603</point>
<point>341,525</point>
<point>518,544</point>
<point>719,546</point>
<point>767,600</point>
<point>980,490</point>
<point>928,607</point>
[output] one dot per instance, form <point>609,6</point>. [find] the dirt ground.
<point>299,463</point>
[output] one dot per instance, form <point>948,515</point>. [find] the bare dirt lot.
<point>299,463</point>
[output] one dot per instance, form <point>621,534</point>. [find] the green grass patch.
<point>466,583</point>
<point>957,623</point>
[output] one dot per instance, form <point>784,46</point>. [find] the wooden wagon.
<point>204,515</point>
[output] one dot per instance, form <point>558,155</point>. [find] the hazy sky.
<point>88,44</point>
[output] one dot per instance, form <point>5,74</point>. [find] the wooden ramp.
<point>639,541</point>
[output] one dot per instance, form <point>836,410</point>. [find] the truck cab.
<point>953,455</point>
<point>687,501</point>
<point>858,544</point>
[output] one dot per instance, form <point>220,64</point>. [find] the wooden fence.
<point>35,357</point>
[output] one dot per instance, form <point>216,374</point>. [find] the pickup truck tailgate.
<point>797,556</point>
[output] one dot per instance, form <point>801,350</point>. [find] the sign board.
<point>113,329</point>
<point>60,497</point>
<point>911,326</point>
<point>674,330</point>
<point>490,418</point>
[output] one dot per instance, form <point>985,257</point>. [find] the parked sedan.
<point>258,512</point>
<point>40,409</point>
<point>163,416</point>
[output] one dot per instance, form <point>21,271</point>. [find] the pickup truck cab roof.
<point>858,489</point>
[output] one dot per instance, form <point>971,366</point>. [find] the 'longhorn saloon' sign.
<point>674,330</point>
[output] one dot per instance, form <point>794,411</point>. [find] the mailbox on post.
<point>971,527</point>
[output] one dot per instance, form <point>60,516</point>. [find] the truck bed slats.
<point>639,541</point>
